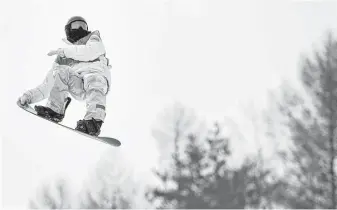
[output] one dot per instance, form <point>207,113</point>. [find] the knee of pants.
<point>96,82</point>
<point>61,75</point>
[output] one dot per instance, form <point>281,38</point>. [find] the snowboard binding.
<point>91,127</point>
<point>49,114</point>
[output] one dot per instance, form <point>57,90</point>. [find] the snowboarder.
<point>81,69</point>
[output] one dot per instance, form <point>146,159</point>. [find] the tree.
<point>111,185</point>
<point>104,200</point>
<point>310,116</point>
<point>250,185</point>
<point>225,188</point>
<point>184,189</point>
<point>179,188</point>
<point>114,184</point>
<point>199,175</point>
<point>57,197</point>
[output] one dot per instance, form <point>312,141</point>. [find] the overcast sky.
<point>209,55</point>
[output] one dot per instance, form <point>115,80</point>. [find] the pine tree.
<point>310,181</point>
<point>184,186</point>
<point>200,178</point>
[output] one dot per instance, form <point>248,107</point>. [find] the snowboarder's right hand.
<point>24,100</point>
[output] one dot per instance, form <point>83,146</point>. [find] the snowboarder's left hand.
<point>59,52</point>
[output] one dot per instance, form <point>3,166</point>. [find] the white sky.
<point>209,55</point>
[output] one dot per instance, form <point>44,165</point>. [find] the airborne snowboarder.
<point>81,69</point>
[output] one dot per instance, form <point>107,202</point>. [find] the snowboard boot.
<point>91,127</point>
<point>49,114</point>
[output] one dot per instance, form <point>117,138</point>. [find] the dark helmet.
<point>75,34</point>
<point>75,18</point>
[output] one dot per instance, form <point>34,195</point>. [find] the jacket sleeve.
<point>88,52</point>
<point>42,91</point>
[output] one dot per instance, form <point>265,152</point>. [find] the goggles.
<point>78,24</point>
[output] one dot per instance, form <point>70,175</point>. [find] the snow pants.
<point>91,87</point>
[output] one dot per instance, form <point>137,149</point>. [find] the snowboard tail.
<point>104,139</point>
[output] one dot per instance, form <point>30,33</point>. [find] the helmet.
<point>74,34</point>
<point>75,18</point>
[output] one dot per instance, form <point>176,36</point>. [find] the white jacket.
<point>84,57</point>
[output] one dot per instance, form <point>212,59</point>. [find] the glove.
<point>24,100</point>
<point>59,52</point>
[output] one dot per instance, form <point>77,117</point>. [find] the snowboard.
<point>107,140</point>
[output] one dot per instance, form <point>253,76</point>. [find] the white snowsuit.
<point>84,72</point>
